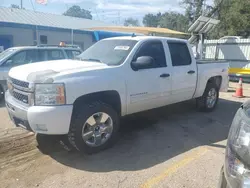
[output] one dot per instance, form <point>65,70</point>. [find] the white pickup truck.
<point>85,98</point>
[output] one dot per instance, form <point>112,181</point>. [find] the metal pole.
<point>72,36</point>
<point>21,4</point>
<point>202,38</point>
<point>37,37</point>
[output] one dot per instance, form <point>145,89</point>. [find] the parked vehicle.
<point>235,172</point>
<point>115,77</point>
<point>30,54</point>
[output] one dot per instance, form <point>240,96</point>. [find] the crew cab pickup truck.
<point>115,77</point>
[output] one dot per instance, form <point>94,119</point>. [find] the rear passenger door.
<point>184,72</point>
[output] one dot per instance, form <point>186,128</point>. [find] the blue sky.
<point>114,11</point>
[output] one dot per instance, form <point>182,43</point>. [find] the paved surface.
<point>5,120</point>
<point>171,147</point>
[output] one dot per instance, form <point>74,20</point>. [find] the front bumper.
<point>52,120</point>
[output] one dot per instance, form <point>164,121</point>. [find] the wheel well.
<point>109,97</point>
<point>216,79</point>
<point>1,88</point>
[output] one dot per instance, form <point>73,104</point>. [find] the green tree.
<point>77,11</point>
<point>234,16</point>
<point>131,22</point>
<point>175,21</point>
<point>194,9</point>
<point>152,20</point>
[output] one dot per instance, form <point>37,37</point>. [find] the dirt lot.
<point>171,147</point>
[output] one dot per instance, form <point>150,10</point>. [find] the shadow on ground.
<point>2,104</point>
<point>151,138</point>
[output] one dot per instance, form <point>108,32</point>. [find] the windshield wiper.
<point>90,59</point>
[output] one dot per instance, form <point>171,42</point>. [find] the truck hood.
<point>42,71</point>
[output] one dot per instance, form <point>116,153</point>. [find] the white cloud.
<point>121,9</point>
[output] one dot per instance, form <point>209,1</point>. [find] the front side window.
<point>111,52</point>
<point>180,54</point>
<point>155,50</point>
<point>21,58</point>
<point>7,52</point>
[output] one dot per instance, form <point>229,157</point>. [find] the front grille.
<point>20,83</point>
<point>20,97</point>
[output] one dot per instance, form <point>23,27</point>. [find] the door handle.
<point>164,75</point>
<point>191,72</point>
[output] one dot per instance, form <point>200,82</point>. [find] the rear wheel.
<point>222,180</point>
<point>208,101</point>
<point>94,127</point>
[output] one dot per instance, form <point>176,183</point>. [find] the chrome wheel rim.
<point>97,129</point>
<point>211,98</point>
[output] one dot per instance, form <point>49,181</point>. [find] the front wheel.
<point>94,127</point>
<point>208,101</point>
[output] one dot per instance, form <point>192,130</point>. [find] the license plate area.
<point>20,123</point>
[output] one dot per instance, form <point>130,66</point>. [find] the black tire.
<point>1,93</point>
<point>81,115</point>
<point>222,180</point>
<point>201,102</point>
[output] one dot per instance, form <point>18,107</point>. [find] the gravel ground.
<point>171,147</point>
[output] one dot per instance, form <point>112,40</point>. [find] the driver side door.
<point>151,87</point>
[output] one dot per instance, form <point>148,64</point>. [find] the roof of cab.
<point>141,38</point>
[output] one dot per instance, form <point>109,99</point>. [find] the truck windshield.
<point>6,53</point>
<point>110,52</point>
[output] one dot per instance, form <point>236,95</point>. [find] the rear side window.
<point>180,54</point>
<point>72,53</point>
<point>55,54</point>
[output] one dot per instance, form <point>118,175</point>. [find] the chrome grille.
<point>20,97</point>
<point>20,83</point>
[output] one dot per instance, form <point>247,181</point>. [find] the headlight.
<point>238,150</point>
<point>49,94</point>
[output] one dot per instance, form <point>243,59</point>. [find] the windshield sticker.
<point>122,48</point>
